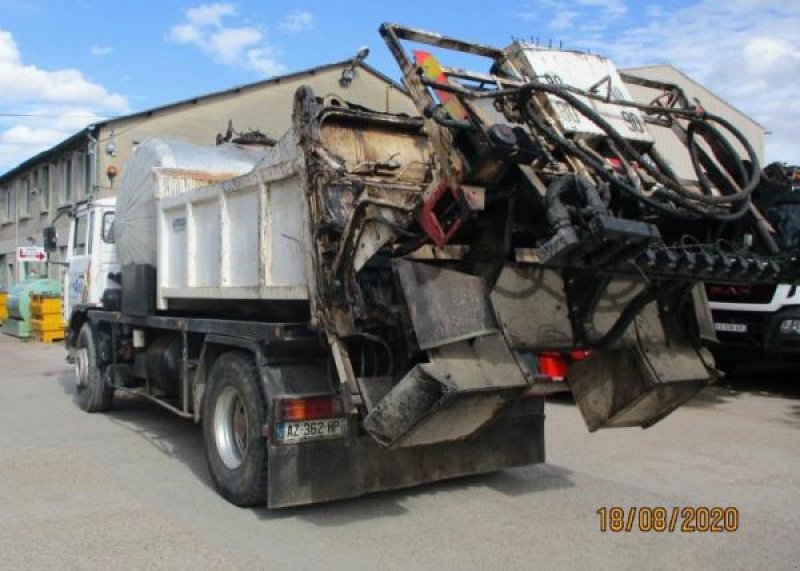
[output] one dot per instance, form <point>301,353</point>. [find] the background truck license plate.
<point>731,327</point>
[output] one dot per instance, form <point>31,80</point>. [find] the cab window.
<point>108,228</point>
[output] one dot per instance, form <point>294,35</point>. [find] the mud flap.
<point>639,382</point>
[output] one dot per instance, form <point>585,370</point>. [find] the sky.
<point>65,64</point>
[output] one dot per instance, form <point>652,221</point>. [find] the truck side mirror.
<point>49,239</point>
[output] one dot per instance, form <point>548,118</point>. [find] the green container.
<point>18,322</point>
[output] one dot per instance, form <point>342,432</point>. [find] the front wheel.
<point>94,395</point>
<point>233,414</point>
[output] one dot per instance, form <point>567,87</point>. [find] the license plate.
<point>312,429</point>
<point>731,327</point>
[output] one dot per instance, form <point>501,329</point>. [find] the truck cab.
<point>764,319</point>
<point>91,255</point>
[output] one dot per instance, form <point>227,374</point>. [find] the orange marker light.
<point>308,409</point>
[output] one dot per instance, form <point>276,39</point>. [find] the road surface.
<point>130,489</point>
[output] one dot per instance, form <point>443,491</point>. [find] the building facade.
<point>44,189</point>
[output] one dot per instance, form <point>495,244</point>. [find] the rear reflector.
<point>555,365</point>
<point>308,409</point>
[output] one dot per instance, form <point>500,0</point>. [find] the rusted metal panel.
<point>639,384</point>
<point>463,388</point>
<point>446,306</point>
<point>532,308</point>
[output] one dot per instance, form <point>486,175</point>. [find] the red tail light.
<point>555,365</point>
<point>552,365</point>
<point>308,409</point>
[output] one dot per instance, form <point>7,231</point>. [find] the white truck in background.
<point>378,301</point>
<point>761,322</point>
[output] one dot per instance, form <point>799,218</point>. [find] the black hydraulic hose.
<point>602,171</point>
<point>686,198</point>
<point>714,137</point>
<point>634,307</point>
<point>557,213</point>
<point>626,147</point>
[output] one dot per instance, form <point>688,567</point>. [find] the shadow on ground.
<point>514,482</point>
<point>172,436</point>
<point>182,440</point>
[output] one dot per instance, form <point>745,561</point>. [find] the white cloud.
<point>28,83</point>
<point>52,104</point>
<point>297,21</point>
<point>614,7</point>
<point>244,46</point>
<point>563,14</point>
<point>747,51</point>
<point>101,50</point>
<point>25,136</point>
<point>563,19</point>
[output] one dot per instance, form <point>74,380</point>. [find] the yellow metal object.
<point>433,70</point>
<point>3,309</point>
<point>47,322</point>
<point>49,337</point>
<point>41,306</point>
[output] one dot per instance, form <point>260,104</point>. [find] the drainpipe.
<point>92,150</point>
<point>14,190</point>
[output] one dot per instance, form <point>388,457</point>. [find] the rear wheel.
<point>233,414</point>
<point>726,361</point>
<point>94,395</point>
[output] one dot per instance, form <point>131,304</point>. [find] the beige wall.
<point>667,142</point>
<point>266,107</point>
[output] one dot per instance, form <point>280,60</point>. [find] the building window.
<point>44,187</point>
<point>77,175</point>
<point>87,173</point>
<point>24,196</point>
<point>66,181</point>
<point>8,205</point>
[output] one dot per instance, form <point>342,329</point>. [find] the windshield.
<point>785,218</point>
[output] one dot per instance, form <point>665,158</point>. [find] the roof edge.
<point>193,100</point>
<point>686,76</point>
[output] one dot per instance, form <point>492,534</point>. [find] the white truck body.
<point>237,239</point>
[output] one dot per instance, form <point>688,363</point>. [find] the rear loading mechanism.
<point>544,226</point>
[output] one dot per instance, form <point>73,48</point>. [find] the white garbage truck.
<point>377,301</point>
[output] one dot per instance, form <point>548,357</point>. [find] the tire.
<point>94,395</point>
<point>726,362</point>
<point>233,414</point>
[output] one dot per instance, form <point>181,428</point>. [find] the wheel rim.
<point>231,427</point>
<point>81,367</point>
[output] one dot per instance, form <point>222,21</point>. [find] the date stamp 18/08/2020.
<point>660,519</point>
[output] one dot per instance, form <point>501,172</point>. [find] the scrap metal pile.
<point>527,221</point>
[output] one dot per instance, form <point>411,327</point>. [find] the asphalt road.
<point>129,489</point>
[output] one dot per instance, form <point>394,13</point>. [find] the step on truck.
<point>377,301</point>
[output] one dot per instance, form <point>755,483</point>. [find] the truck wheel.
<point>233,414</point>
<point>94,395</point>
<point>725,362</point>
